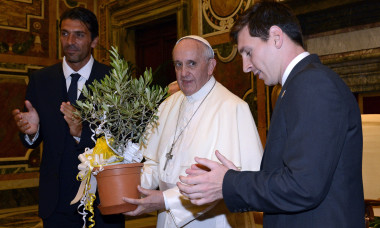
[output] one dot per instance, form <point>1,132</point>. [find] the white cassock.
<point>219,120</point>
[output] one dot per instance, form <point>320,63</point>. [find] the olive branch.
<point>120,107</point>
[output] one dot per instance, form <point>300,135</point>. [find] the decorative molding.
<point>252,88</point>
<point>116,16</point>
<point>225,52</point>
<point>17,68</point>
<point>217,16</point>
<point>359,69</point>
<point>363,39</point>
<point>336,15</point>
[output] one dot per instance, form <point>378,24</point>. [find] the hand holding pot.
<point>153,201</point>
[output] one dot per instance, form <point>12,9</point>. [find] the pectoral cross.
<point>168,156</point>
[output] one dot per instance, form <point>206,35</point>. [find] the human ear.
<point>211,66</point>
<point>277,35</point>
<point>94,42</point>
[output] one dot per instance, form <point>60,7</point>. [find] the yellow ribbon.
<point>99,156</point>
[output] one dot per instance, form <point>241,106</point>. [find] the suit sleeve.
<point>309,143</point>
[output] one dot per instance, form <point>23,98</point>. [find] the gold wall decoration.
<point>19,14</point>
<point>218,16</point>
<point>215,19</point>
<point>225,52</point>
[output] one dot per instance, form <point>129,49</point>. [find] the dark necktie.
<point>73,89</point>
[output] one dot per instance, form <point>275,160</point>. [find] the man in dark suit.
<point>311,172</point>
<point>50,119</point>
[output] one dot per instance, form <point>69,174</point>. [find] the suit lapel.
<point>64,96</point>
<point>58,95</point>
<point>297,68</point>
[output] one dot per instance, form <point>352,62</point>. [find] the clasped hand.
<point>72,119</point>
<point>204,181</point>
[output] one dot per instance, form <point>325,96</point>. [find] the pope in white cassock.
<point>201,118</point>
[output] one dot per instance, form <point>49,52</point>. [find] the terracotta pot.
<point>115,182</point>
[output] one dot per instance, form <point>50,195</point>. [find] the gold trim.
<point>115,16</point>
<point>229,58</point>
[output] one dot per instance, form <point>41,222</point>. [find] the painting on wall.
<point>24,28</point>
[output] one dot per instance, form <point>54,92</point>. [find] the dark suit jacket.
<point>59,166</point>
<point>311,172</point>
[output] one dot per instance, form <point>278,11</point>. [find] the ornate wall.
<point>344,33</point>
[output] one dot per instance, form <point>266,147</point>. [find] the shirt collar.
<point>85,71</point>
<point>291,65</point>
<point>200,94</point>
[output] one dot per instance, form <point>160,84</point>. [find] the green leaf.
<point>130,103</point>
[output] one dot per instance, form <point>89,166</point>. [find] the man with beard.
<point>49,117</point>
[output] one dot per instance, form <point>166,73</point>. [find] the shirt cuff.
<point>77,139</point>
<point>165,193</point>
<point>31,141</point>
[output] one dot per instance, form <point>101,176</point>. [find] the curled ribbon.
<point>92,162</point>
<point>97,157</point>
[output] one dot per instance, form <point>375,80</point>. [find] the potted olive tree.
<point>119,109</point>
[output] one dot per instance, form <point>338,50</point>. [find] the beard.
<point>74,54</point>
<point>73,58</point>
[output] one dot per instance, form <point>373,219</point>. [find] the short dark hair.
<point>261,16</point>
<point>84,15</point>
